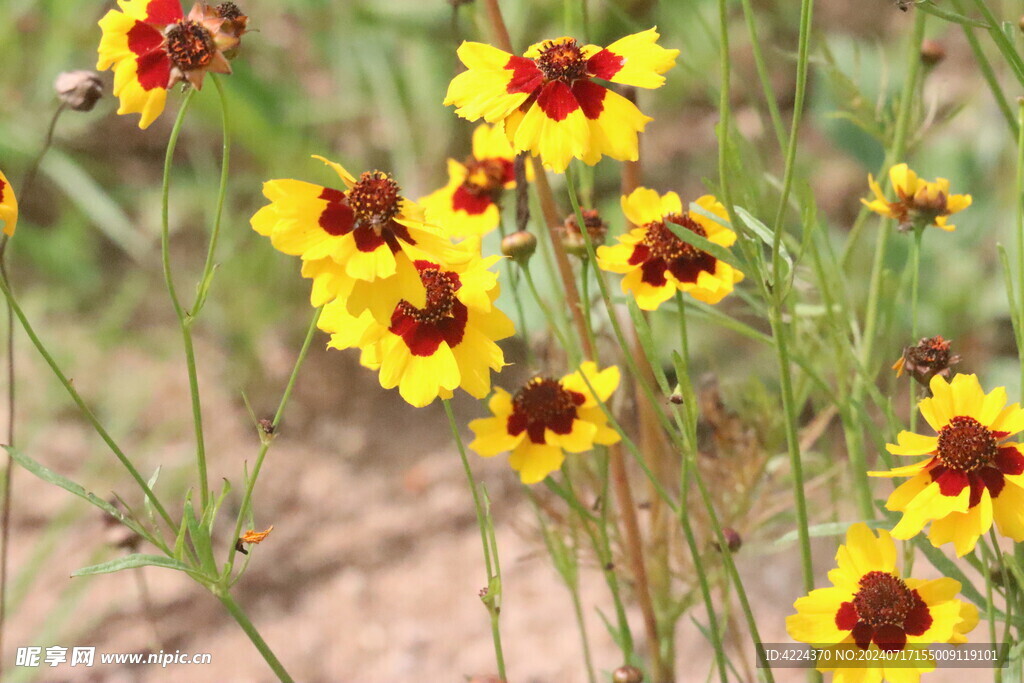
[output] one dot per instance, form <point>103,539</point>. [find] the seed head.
<point>79,89</point>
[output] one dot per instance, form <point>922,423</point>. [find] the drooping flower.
<point>656,262</point>
<point>152,45</point>
<point>870,606</point>
<point>550,103</point>
<point>362,228</point>
<point>546,419</point>
<point>8,206</point>
<point>972,474</point>
<point>469,203</point>
<point>440,338</point>
<point>918,202</point>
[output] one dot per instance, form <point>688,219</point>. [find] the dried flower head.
<point>932,52</point>
<point>572,237</point>
<point>252,536</point>
<point>79,90</point>
<point>929,357</point>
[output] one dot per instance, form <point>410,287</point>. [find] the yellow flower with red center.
<point>871,607</point>
<point>972,474</point>
<point>440,336</point>
<point>152,45</point>
<point>366,232</point>
<point>918,202</point>
<point>546,419</point>
<point>8,206</point>
<point>468,204</point>
<point>549,101</point>
<point>656,262</point>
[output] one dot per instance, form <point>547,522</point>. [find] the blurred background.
<point>372,571</point>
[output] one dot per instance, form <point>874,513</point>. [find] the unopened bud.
<point>79,89</point>
<point>627,674</point>
<point>732,540</point>
<point>932,52</point>
<point>519,246</point>
<point>572,236</point>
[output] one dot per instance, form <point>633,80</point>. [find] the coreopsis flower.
<point>152,45</point>
<point>971,474</point>
<point>929,357</point>
<point>656,262</point>
<point>870,606</point>
<point>550,103</point>
<point>362,228</point>
<point>8,206</point>
<point>546,419</point>
<point>918,202</point>
<point>440,338</point>
<point>468,204</point>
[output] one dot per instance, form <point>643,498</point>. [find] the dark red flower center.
<point>966,445</point>
<point>664,244</point>
<point>883,599</point>
<point>440,286</point>
<point>486,176</point>
<point>374,199</point>
<point>2,186</point>
<point>189,45</point>
<point>543,404</point>
<point>562,61</point>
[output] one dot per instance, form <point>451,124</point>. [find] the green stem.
<point>987,72</point>
<point>184,318</point>
<point>267,439</point>
<point>563,339</point>
<point>250,630</point>
<point>986,562</point>
<point>915,276</point>
<point>1002,41</point>
<point>225,166</point>
<point>1019,186</point>
<point>89,416</point>
<point>765,76</point>
<point>481,521</point>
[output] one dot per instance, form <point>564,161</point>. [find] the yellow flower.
<point>548,99</point>
<point>919,202</point>
<point>871,607</point>
<point>657,263</point>
<point>971,476</point>
<point>547,418</point>
<point>362,228</point>
<point>151,46</point>
<point>440,338</point>
<point>469,203</point>
<point>8,206</point>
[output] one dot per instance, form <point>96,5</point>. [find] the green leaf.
<point>950,569</point>
<point>52,477</point>
<point>145,499</point>
<point>930,7</point>
<point>200,539</point>
<point>132,562</point>
<point>829,529</point>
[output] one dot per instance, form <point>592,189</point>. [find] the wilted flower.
<point>572,237</point>
<point>549,102</point>
<point>151,46</point>
<point>79,90</point>
<point>929,357</point>
<point>919,202</point>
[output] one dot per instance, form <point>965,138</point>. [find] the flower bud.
<point>519,246</point>
<point>627,674</point>
<point>932,52</point>
<point>572,237</point>
<point>79,89</point>
<point>732,540</point>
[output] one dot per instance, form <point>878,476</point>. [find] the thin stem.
<point>987,72</point>
<point>764,76</point>
<point>1019,185</point>
<point>915,276</point>
<point>8,470</point>
<point>89,416</point>
<point>490,600</point>
<point>184,318</point>
<point>267,439</point>
<point>225,166</point>
<point>254,635</point>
